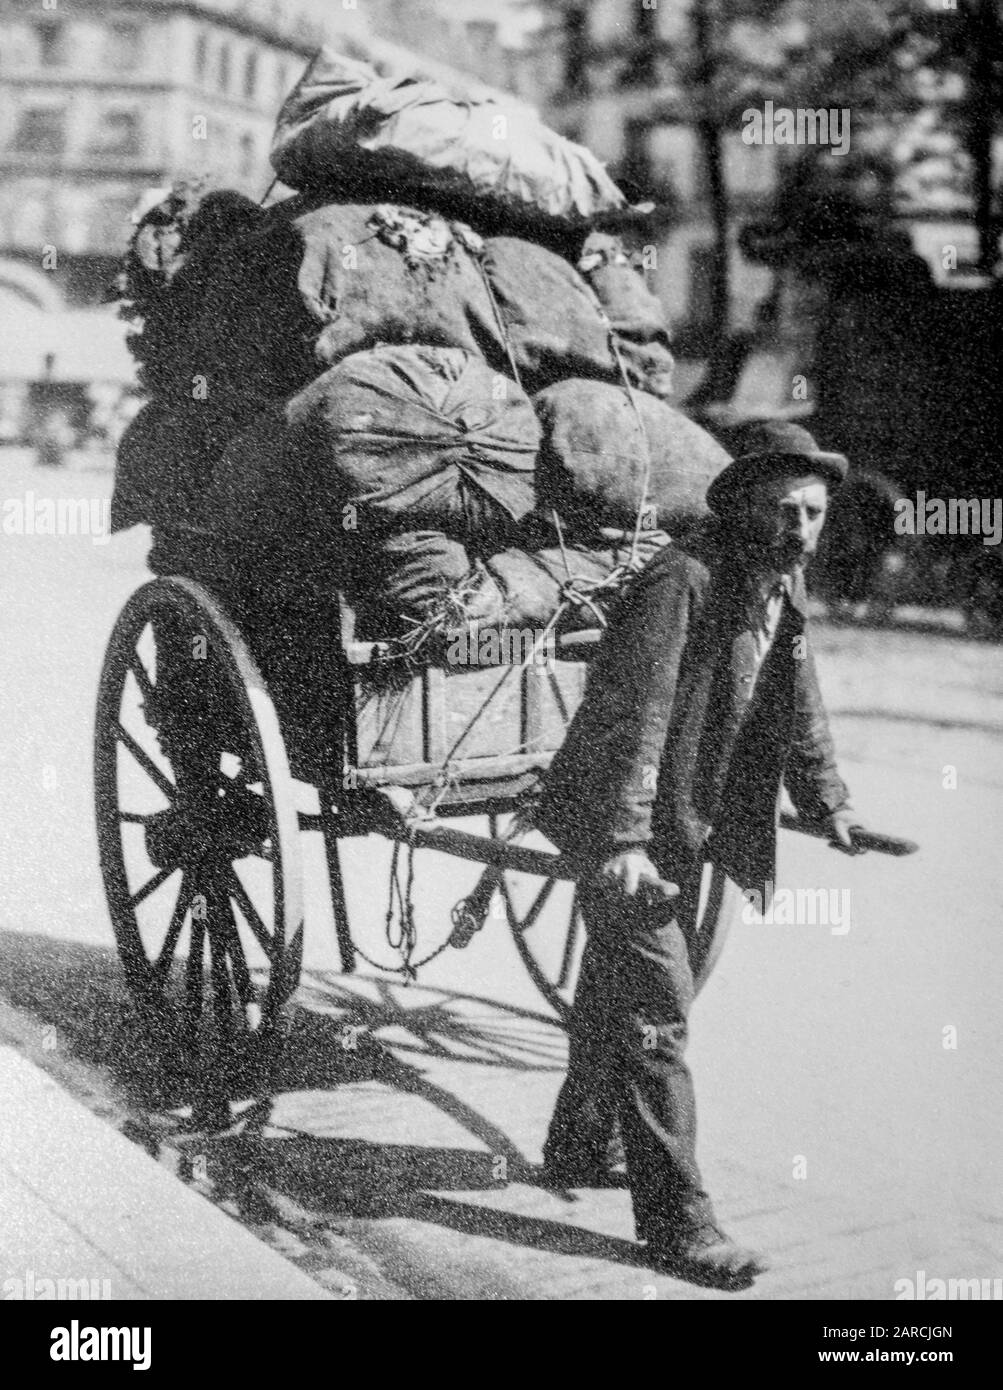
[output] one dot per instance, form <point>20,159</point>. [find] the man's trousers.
<point>644,960</point>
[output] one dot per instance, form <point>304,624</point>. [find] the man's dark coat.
<point>668,742</point>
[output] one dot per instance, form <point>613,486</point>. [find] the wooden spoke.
<point>162,965</point>
<point>541,954</point>
<point>151,886</point>
<point>194,976</point>
<point>539,903</point>
<point>238,963</point>
<point>570,941</point>
<point>219,976</point>
<point>239,894</point>
<point>142,676</point>
<point>243,983</point>
<point>146,763</point>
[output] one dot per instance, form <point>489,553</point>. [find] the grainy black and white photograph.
<point>501,707</point>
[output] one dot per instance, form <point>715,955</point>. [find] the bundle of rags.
<point>237,324</point>
<point>340,386</point>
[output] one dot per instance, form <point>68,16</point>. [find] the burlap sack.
<point>396,439</point>
<point>405,137</point>
<point>594,453</point>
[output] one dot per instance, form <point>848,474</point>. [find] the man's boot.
<point>692,1246</point>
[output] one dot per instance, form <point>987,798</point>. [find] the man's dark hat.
<point>769,447</point>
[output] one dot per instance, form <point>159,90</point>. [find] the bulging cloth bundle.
<point>392,384</point>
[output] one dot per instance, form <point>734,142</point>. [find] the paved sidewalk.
<point>78,1202</point>
<point>422,1147</point>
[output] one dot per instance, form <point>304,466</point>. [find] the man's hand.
<point>633,872</point>
<point>838,826</point>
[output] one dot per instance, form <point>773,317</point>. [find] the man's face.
<point>780,519</point>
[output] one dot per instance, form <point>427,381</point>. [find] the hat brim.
<point>751,468</point>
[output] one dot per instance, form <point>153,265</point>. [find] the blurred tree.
<point>961,53</point>
<point>736,54</point>
<point>725,56</point>
<point>921,78</point>
<point>923,82</point>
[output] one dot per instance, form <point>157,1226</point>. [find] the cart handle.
<point>862,839</point>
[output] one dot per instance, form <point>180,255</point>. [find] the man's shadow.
<point>74,995</point>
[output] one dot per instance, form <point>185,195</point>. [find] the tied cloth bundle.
<point>425,240</point>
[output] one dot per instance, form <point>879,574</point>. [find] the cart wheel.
<point>549,933</point>
<point>547,929</point>
<point>198,834</point>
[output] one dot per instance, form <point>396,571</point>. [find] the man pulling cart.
<point>702,701</point>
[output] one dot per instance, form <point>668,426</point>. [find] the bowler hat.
<point>769,447</point>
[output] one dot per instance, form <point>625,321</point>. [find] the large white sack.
<point>344,128</point>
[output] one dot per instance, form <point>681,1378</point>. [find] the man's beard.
<point>774,555</point>
<point>791,555</point>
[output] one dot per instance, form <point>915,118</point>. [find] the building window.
<point>41,130</point>
<point>201,57</point>
<point>251,76</point>
<point>51,43</point>
<point>646,23</point>
<point>636,169</point>
<point>248,156</point>
<point>123,45</point>
<point>576,50</point>
<point>118,134</point>
<point>640,68</point>
<point>224,67</point>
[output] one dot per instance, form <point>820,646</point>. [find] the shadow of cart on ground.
<point>368,1118</point>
